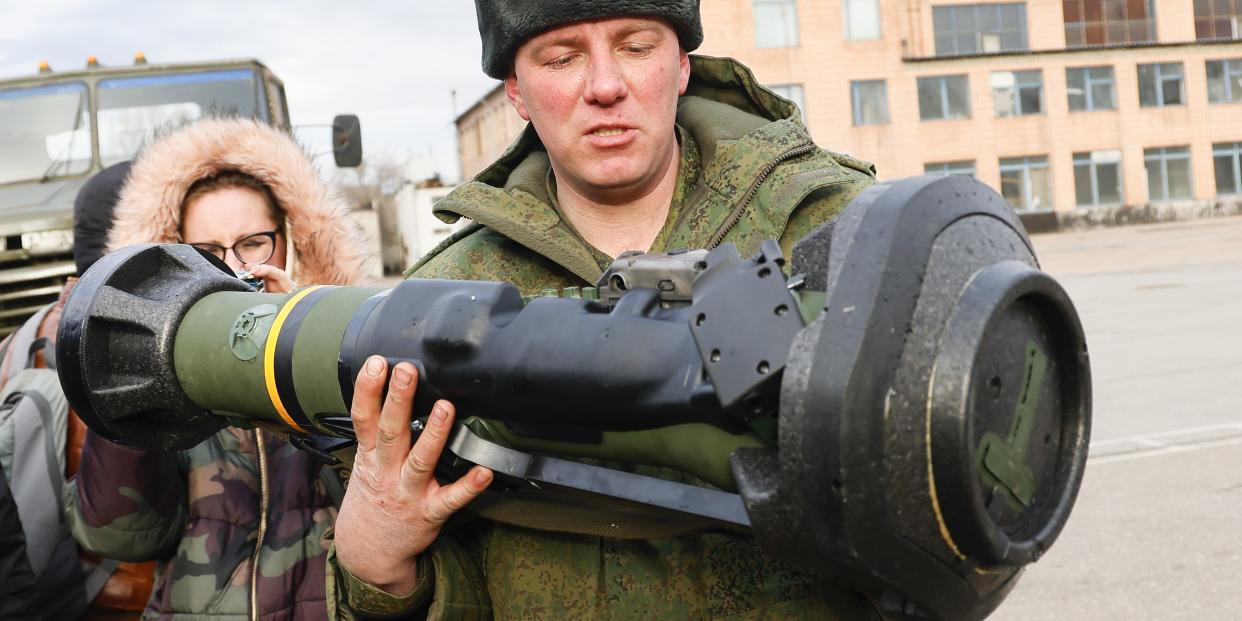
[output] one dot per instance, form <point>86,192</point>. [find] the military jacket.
<point>236,523</point>
<point>749,172</point>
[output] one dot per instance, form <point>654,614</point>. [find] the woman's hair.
<point>236,179</point>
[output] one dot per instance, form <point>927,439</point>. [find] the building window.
<point>792,92</point>
<point>1227,160</point>
<point>1218,19</point>
<point>1160,84</point>
<point>944,97</point>
<point>870,102</point>
<point>776,23</point>
<point>1090,88</point>
<point>1224,80</point>
<point>1097,178</point>
<point>1108,22</point>
<point>1016,93</point>
<point>862,19</point>
<point>1025,183</point>
<point>965,168</point>
<point>1168,173</point>
<point>979,28</point>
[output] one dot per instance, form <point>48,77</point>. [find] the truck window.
<point>44,132</point>
<point>276,102</point>
<point>131,109</point>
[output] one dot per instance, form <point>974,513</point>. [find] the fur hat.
<point>325,243</point>
<point>505,24</point>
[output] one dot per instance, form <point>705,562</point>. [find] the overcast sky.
<point>392,63</point>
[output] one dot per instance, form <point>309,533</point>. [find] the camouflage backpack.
<point>34,419</point>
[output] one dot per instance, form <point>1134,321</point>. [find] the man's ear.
<point>515,96</point>
<point>683,67</point>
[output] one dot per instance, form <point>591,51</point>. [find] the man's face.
<point>602,95</point>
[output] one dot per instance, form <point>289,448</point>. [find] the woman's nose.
<point>233,262</point>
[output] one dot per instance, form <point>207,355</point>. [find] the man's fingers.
<point>393,431</point>
<point>451,498</point>
<point>421,461</point>
<point>368,391</point>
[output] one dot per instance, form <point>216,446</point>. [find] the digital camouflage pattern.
<point>749,172</point>
<point>198,512</point>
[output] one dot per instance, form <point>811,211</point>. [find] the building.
<point>485,130</point>
<point>420,230</point>
<point>1060,104</point>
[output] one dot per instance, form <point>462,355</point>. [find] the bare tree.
<point>378,176</point>
<point>373,185</point>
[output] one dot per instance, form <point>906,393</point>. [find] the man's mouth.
<point>608,131</point>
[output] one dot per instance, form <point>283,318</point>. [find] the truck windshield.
<point>131,109</point>
<point>45,132</point>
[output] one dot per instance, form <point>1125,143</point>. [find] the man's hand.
<point>393,507</point>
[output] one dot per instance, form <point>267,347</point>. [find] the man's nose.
<point>605,82</point>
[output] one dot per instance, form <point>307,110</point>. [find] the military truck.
<point>59,128</point>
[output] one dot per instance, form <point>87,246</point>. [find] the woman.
<point>235,521</point>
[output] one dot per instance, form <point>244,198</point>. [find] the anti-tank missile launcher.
<point>905,404</point>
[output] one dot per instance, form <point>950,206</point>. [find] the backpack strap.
<point>23,344</point>
<point>37,474</point>
<point>98,578</point>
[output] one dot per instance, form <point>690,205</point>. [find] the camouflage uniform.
<point>199,509</point>
<point>749,172</point>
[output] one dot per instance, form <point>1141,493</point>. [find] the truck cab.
<point>59,129</point>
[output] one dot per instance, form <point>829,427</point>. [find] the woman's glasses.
<point>253,248</point>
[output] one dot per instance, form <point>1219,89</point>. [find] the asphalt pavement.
<point>1157,530</point>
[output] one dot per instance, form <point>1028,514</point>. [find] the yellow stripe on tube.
<point>269,357</point>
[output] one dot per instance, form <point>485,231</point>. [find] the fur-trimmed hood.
<point>326,245</point>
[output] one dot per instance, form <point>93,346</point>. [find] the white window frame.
<point>852,9</point>
<point>1093,159</point>
<point>1231,73</point>
<point>1162,155</point>
<point>954,11</point>
<point>1015,85</point>
<point>1232,150</point>
<point>1160,77</point>
<point>1026,165</point>
<point>792,37</point>
<point>856,99</point>
<point>1089,82</point>
<point>964,168</point>
<point>944,97</point>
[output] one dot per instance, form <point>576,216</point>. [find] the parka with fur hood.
<point>326,248</point>
<point>236,521</point>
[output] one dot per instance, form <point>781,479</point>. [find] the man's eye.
<point>560,62</point>
<point>636,49</point>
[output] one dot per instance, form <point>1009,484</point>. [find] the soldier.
<point>632,145</point>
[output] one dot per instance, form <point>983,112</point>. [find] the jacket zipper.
<point>735,216</point>
<point>258,546</point>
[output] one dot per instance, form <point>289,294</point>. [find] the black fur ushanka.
<point>505,24</point>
